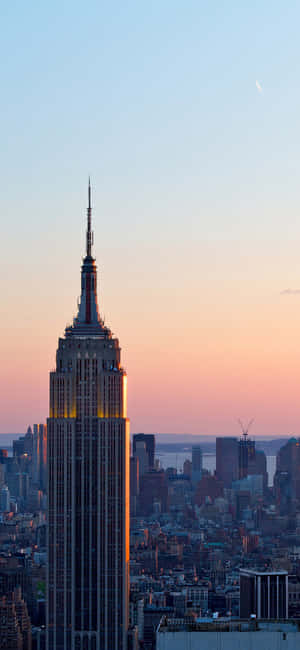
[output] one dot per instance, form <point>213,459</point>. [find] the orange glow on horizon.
<point>217,351</point>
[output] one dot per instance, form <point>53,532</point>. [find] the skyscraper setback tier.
<point>88,483</point>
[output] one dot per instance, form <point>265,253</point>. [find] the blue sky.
<point>158,102</point>
<point>195,172</point>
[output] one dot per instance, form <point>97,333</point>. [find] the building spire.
<point>88,320</point>
<point>89,233</point>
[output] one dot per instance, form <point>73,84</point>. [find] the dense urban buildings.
<point>88,482</point>
<point>196,543</point>
<point>214,531</point>
<point>213,544</point>
<point>210,561</point>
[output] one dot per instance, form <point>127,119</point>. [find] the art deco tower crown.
<point>88,320</point>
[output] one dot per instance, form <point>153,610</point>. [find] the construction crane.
<point>245,430</point>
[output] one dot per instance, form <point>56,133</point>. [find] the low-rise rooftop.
<point>227,624</point>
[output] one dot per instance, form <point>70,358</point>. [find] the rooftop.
<point>259,572</point>
<point>227,624</point>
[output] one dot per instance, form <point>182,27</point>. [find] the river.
<point>173,459</point>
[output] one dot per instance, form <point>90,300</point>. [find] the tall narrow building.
<point>88,482</point>
<point>227,460</point>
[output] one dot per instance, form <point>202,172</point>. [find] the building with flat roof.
<point>263,594</point>
<point>226,634</point>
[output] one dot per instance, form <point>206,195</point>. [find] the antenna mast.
<point>89,234</point>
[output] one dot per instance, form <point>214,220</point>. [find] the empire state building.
<point>88,482</point>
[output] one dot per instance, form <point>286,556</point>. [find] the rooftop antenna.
<point>245,429</point>
<point>89,234</point>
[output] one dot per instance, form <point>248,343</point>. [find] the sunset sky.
<point>186,116</point>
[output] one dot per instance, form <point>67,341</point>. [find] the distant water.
<point>167,459</point>
<point>6,439</point>
<point>173,459</point>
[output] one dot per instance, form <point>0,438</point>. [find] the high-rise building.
<point>258,466</point>
<point>149,445</point>
<point>237,459</point>
<point>15,624</point>
<point>2,474</point>
<point>134,484</point>
<point>39,455</point>
<point>208,488</point>
<point>187,467</point>
<point>227,460</point>
<point>88,482</point>
<point>134,477</point>
<point>4,499</point>
<point>23,446</point>
<point>196,463</point>
<point>140,452</point>
<point>153,489</point>
<point>246,454</point>
<point>287,476</point>
<point>23,618</point>
<point>10,634</point>
<point>263,594</point>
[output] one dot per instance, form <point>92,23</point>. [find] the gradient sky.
<point>195,176</point>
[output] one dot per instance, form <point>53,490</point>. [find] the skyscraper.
<point>140,452</point>
<point>88,482</point>
<point>134,484</point>
<point>149,440</point>
<point>287,477</point>
<point>246,454</point>
<point>196,463</point>
<point>263,593</point>
<point>227,460</point>
<point>39,455</point>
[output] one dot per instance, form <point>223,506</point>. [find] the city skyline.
<point>150,416</point>
<point>195,178</point>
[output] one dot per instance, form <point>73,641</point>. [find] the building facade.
<point>263,594</point>
<point>287,476</point>
<point>39,455</point>
<point>246,454</point>
<point>149,441</point>
<point>88,482</point>
<point>196,463</point>
<point>140,453</point>
<point>227,460</point>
